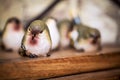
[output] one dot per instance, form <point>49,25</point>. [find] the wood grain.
<point>60,63</point>
<point>113,74</point>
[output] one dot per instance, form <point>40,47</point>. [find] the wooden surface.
<point>60,63</point>
<point>113,74</point>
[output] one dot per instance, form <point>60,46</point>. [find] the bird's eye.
<point>41,31</point>
<point>29,29</point>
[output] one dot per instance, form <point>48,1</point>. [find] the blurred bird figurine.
<point>54,33</point>
<point>84,38</point>
<point>12,34</point>
<point>36,41</point>
<point>64,27</point>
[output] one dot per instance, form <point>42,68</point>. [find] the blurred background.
<point>101,14</point>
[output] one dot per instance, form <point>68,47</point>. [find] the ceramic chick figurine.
<point>84,38</point>
<point>54,33</point>
<point>36,41</point>
<point>12,34</point>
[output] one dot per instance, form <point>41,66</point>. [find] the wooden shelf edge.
<point>47,68</point>
<point>111,74</point>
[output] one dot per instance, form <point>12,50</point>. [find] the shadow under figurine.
<point>12,35</point>
<point>36,41</point>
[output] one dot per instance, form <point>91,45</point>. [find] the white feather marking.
<point>54,33</point>
<point>74,35</point>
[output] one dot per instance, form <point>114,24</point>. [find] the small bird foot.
<point>22,52</point>
<point>48,55</point>
<point>32,56</point>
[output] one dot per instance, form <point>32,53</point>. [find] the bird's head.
<point>14,24</point>
<point>36,27</point>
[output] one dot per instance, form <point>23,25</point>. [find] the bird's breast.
<point>40,45</point>
<point>34,41</point>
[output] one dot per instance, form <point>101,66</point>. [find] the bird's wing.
<point>22,50</point>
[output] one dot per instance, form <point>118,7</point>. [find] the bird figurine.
<point>85,39</point>
<point>64,28</point>
<point>12,34</point>
<point>54,33</point>
<point>36,41</point>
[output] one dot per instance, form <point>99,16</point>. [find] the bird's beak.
<point>33,36</point>
<point>34,33</point>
